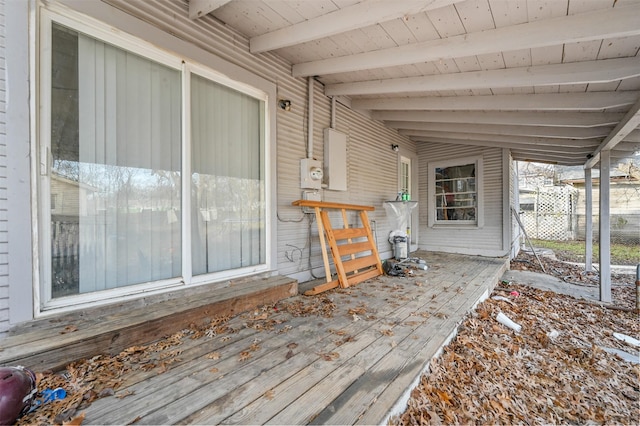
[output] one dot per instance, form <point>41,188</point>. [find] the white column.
<point>605,228</point>
<point>588,213</point>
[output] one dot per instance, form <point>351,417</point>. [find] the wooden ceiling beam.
<point>561,119</point>
<point>200,8</point>
<point>594,25</point>
<point>572,157</point>
<point>626,148</point>
<point>586,101</point>
<point>575,152</point>
<point>497,129</point>
<point>349,18</point>
<point>544,158</point>
<point>561,144</point>
<point>633,136</point>
<point>629,122</point>
<point>601,71</point>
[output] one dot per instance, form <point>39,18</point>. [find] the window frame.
<point>246,82</point>
<point>405,174</point>
<point>208,73</point>
<point>433,221</point>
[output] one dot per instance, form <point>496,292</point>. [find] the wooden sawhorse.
<point>363,261</point>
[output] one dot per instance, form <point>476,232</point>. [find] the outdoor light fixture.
<point>395,147</point>
<point>285,104</point>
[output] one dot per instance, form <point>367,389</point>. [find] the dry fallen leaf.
<point>330,356</point>
<point>530,377</point>
<point>359,310</point>
<point>213,355</point>
<point>76,421</point>
<point>124,394</point>
<point>260,317</point>
<point>69,329</point>
<point>270,394</point>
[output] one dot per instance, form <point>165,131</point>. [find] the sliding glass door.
<point>227,178</point>
<point>122,127</point>
<point>115,157</point>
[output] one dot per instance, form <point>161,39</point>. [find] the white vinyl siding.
<point>4,247</point>
<point>362,187</point>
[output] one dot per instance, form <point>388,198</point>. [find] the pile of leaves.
<point>556,370</point>
<point>622,285</point>
<point>86,380</point>
<point>89,379</point>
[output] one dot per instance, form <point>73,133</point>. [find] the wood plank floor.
<point>348,356</point>
<point>53,342</point>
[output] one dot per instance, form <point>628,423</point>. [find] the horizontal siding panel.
<point>4,267</point>
<point>4,316</point>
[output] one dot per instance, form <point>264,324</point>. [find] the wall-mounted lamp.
<point>395,147</point>
<point>285,104</point>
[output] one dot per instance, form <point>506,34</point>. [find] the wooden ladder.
<point>362,259</point>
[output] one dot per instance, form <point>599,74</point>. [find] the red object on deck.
<point>17,389</point>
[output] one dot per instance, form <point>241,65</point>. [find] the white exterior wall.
<point>372,166</point>
<point>16,267</point>
<point>486,240</point>
<point>372,169</point>
<point>4,249</point>
<point>371,178</point>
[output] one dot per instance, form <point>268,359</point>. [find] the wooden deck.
<point>51,343</point>
<point>347,356</point>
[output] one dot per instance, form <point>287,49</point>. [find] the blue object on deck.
<point>49,395</point>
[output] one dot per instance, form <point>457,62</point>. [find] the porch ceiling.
<point>554,81</point>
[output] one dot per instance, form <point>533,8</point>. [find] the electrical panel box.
<point>335,160</point>
<point>311,174</point>
<point>312,196</point>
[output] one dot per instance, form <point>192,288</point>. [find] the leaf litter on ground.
<point>555,371</point>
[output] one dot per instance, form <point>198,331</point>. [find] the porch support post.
<point>588,217</point>
<point>605,228</point>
